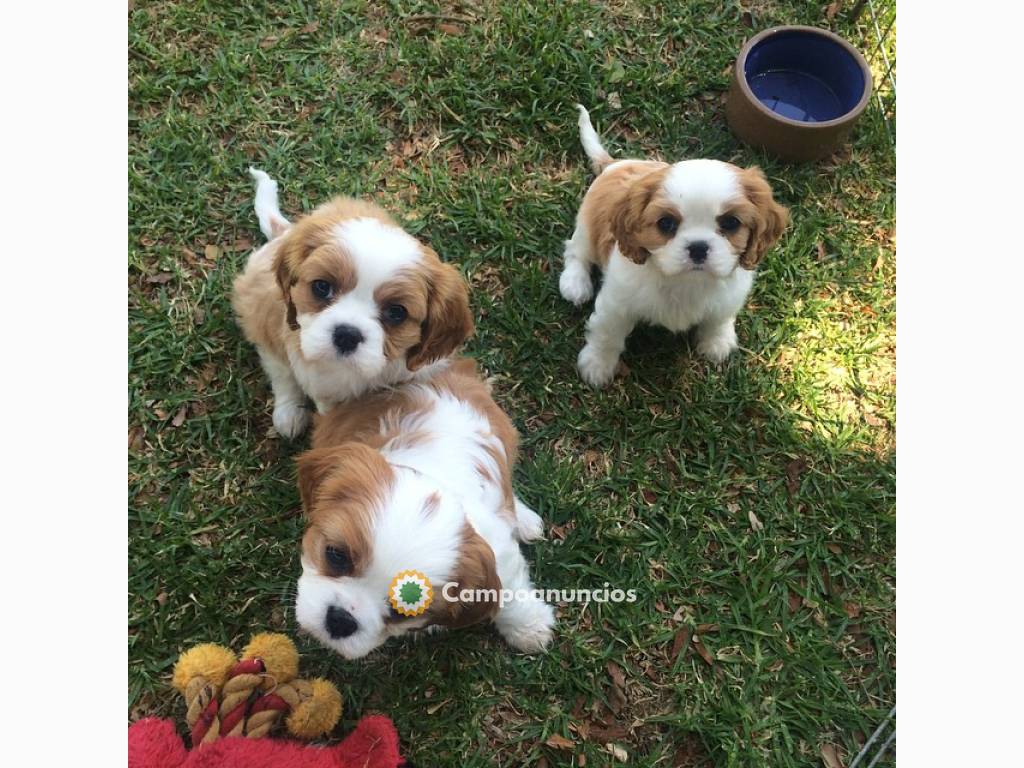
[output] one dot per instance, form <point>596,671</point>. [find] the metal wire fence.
<point>874,23</point>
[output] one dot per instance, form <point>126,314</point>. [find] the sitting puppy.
<point>678,245</point>
<point>343,302</point>
<point>415,478</point>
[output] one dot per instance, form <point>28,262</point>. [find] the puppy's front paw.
<point>290,419</point>
<point>718,346</point>
<point>596,367</point>
<point>575,284</point>
<point>529,525</point>
<point>532,629</point>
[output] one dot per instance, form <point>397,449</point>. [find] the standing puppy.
<point>678,245</point>
<point>344,302</point>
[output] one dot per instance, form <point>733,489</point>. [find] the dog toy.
<point>232,701</point>
<point>248,696</point>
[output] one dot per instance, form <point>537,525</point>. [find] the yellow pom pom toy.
<point>227,696</point>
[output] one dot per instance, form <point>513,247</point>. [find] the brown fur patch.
<point>448,322</point>
<point>763,218</point>
<point>612,195</point>
<point>342,487</point>
<point>257,302</point>
<point>475,569</point>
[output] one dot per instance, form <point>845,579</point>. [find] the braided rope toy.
<point>231,696</point>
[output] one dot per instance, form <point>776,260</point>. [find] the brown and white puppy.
<point>678,244</point>
<point>416,479</point>
<point>343,302</point>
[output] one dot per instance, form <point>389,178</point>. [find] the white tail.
<point>599,157</point>
<point>272,222</point>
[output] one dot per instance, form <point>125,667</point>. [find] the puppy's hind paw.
<point>290,419</point>
<point>529,525</point>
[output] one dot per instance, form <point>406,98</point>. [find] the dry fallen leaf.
<point>680,643</point>
<point>451,29</point>
<point>698,646</point>
<point>559,742</point>
<point>211,252</point>
<point>310,28</point>
<point>616,674</point>
<point>755,524</point>
<point>822,253</point>
<point>794,470</point>
<point>618,752</point>
<point>614,100</point>
<point>160,279</point>
<point>179,417</point>
<point>830,756</point>
<point>852,610</point>
<point>832,9</point>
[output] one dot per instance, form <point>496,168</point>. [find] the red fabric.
<point>154,743</point>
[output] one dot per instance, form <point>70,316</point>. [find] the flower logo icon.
<point>410,593</point>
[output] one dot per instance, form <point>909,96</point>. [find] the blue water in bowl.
<point>796,95</point>
<point>805,76</point>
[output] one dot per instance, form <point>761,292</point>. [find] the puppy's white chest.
<point>683,301</point>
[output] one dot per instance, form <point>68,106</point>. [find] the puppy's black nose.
<point>698,251</point>
<point>340,623</point>
<point>347,338</point>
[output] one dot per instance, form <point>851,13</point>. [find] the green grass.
<point>467,132</point>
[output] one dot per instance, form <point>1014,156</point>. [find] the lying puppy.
<point>417,478</point>
<point>344,302</point>
<point>678,245</point>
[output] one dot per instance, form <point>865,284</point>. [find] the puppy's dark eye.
<point>322,289</point>
<point>394,314</point>
<point>338,560</point>
<point>668,225</point>
<point>728,223</point>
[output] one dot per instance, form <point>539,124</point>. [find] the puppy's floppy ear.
<point>771,217</point>
<point>449,321</point>
<point>283,260</point>
<point>628,218</point>
<point>475,570</point>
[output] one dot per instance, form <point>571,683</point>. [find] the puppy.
<point>415,478</point>
<point>343,302</point>
<point>678,245</point>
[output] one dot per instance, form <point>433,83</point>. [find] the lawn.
<point>752,506</point>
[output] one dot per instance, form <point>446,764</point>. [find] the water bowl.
<point>797,92</point>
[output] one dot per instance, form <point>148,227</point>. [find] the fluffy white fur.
<point>403,538</point>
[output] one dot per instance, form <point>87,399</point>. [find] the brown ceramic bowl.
<point>797,92</point>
